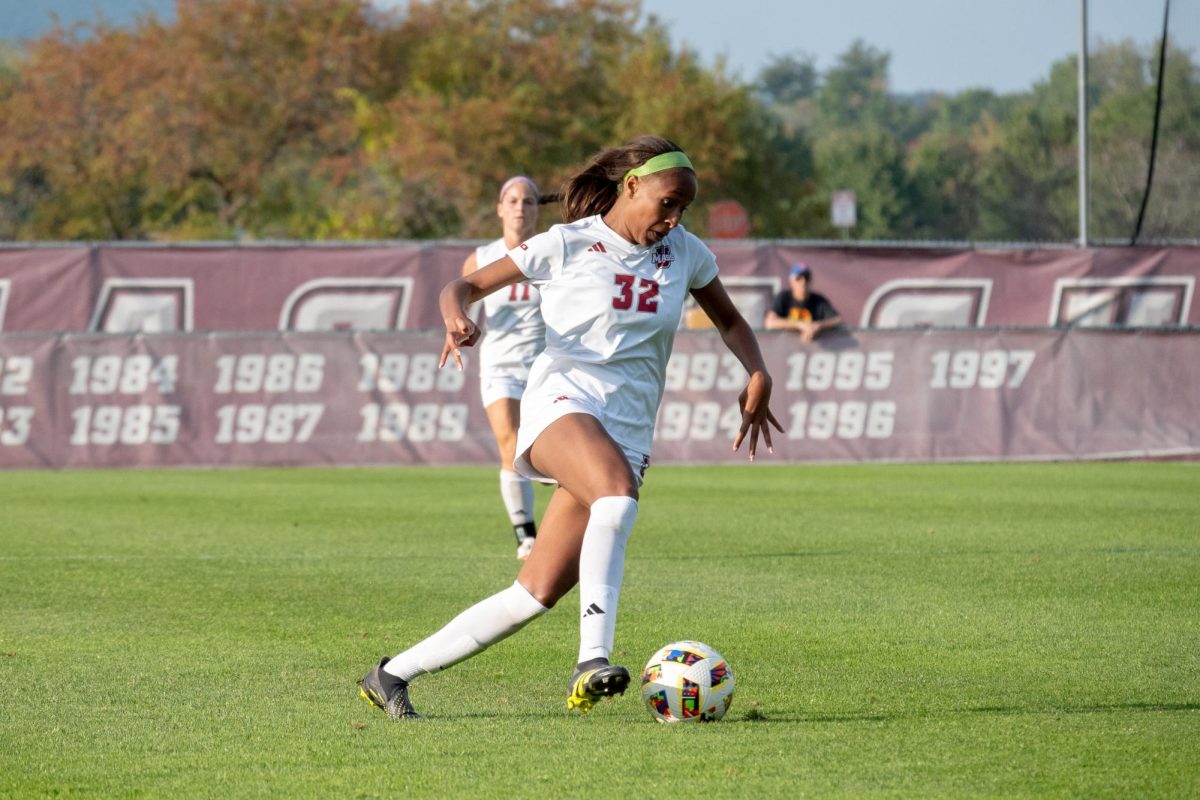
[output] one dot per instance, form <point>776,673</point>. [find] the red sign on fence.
<point>727,219</point>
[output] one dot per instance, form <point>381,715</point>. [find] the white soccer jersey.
<point>611,310</point>
<point>514,332</point>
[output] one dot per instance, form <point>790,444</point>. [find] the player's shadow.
<point>500,713</point>
<point>768,717</point>
<point>757,715</point>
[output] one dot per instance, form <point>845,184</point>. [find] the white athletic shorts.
<point>500,387</point>
<point>536,415</point>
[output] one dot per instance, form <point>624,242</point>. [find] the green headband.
<point>671,160</point>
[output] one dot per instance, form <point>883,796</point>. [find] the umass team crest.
<point>662,255</point>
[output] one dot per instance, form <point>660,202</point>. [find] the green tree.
<point>859,146</point>
<point>944,162</point>
<point>788,79</point>
<point>172,130</point>
<point>787,89</point>
<point>330,119</point>
<point>869,162</point>
<point>253,102</point>
<point>741,151</point>
<point>1028,170</point>
<point>59,130</point>
<point>20,187</point>
<point>1123,82</point>
<point>854,92</point>
<point>943,170</point>
<point>491,87</point>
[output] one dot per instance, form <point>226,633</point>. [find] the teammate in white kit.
<point>613,280</point>
<point>514,335</point>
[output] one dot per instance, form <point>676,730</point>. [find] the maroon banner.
<point>230,399</point>
<point>355,398</point>
<point>154,288</point>
<point>946,395</point>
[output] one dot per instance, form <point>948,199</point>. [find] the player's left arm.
<point>739,337</point>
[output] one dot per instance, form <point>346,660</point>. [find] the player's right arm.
<point>456,296</point>
<point>470,265</point>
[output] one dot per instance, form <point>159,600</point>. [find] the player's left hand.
<point>756,413</point>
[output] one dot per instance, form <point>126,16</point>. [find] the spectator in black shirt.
<point>799,309</point>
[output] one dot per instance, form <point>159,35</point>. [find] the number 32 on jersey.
<point>646,293</point>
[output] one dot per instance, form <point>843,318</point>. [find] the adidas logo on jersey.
<point>598,247</point>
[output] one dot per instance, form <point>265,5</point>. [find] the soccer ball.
<point>687,682</point>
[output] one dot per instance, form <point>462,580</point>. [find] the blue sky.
<point>943,45</point>
<point>946,45</point>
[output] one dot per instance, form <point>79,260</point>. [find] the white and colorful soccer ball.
<point>687,682</point>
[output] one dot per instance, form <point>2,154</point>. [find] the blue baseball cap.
<point>800,271</point>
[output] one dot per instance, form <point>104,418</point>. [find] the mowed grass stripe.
<point>895,631</point>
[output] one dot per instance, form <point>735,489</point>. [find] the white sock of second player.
<point>517,493</point>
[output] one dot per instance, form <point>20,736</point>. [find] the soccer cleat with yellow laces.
<point>590,686</point>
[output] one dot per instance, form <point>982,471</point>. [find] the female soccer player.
<point>515,334</point>
<point>613,280</point>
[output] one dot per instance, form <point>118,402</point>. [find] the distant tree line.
<point>328,119</point>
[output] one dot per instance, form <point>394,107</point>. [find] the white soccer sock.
<point>471,632</point>
<point>517,493</point>
<point>601,568</point>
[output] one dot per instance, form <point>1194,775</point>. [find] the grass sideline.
<point>1020,630</point>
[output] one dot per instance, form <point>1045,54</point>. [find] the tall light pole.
<point>1083,125</point>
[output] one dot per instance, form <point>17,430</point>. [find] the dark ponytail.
<point>594,190</point>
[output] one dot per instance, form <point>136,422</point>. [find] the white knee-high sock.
<point>517,493</point>
<point>601,568</point>
<point>471,632</point>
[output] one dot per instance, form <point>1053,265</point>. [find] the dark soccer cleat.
<point>589,687</point>
<point>394,703</point>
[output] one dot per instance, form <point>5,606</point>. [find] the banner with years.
<point>347,398</point>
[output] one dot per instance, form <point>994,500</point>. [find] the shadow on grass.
<point>758,715</point>
<point>770,717</point>
<point>500,714</point>
<point>734,556</point>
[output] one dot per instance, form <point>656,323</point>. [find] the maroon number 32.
<point>647,293</point>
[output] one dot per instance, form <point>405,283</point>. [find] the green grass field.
<point>895,631</point>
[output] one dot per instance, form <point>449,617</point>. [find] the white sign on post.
<point>844,209</point>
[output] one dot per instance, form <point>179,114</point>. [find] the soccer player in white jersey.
<point>614,280</point>
<point>514,335</point>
